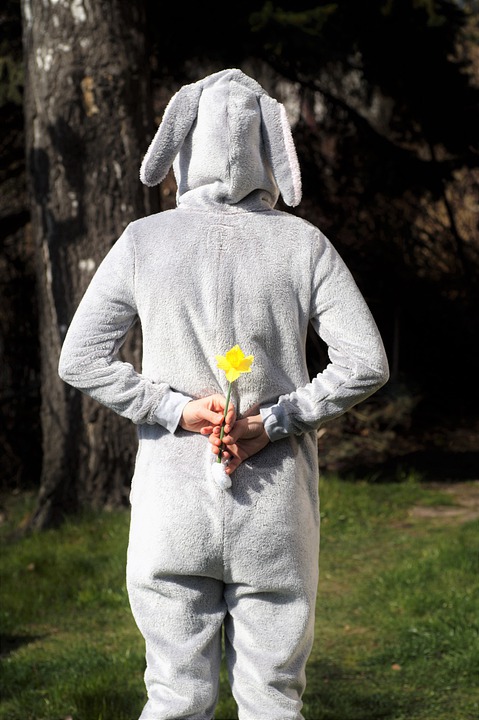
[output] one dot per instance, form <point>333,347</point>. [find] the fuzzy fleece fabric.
<point>224,267</point>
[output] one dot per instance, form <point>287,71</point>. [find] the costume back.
<point>223,268</point>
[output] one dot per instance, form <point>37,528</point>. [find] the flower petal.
<point>223,363</point>
<point>235,355</point>
<point>234,363</point>
<point>232,374</point>
<point>245,364</point>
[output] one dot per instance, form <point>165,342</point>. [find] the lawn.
<point>397,633</point>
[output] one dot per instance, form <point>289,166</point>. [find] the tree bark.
<point>87,128</point>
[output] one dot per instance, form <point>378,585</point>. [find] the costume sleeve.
<point>89,358</point>
<point>358,364</point>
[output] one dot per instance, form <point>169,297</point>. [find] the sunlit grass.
<point>397,616</point>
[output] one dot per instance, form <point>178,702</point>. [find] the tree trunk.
<point>87,128</point>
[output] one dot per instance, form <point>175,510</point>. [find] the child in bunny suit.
<point>222,268</point>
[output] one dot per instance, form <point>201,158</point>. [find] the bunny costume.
<point>224,267</point>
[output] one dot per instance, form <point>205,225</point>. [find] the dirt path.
<point>465,507</point>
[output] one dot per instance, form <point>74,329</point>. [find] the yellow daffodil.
<point>234,363</point>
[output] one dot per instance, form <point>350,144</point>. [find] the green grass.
<point>397,617</point>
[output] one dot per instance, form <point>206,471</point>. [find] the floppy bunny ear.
<point>179,116</point>
<point>280,149</point>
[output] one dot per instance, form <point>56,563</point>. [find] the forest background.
<point>383,101</point>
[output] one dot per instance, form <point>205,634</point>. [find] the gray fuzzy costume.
<point>224,268</point>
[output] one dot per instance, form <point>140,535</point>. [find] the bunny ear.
<point>179,116</point>
<point>280,149</point>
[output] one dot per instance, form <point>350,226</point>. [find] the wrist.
<point>256,426</point>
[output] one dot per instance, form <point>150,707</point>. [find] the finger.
<point>215,441</point>
<point>231,415</point>
<point>215,418</point>
<point>224,453</point>
<point>233,464</point>
<point>218,402</point>
<point>215,450</point>
<point>232,436</point>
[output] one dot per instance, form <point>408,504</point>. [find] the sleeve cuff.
<point>169,410</point>
<point>275,422</point>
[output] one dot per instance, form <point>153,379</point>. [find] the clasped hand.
<point>242,438</point>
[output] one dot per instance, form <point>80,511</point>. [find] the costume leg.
<point>269,636</point>
<point>180,618</point>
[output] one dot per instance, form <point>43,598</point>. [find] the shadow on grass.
<point>333,693</point>
<point>101,704</point>
<point>338,693</point>
<point>10,643</point>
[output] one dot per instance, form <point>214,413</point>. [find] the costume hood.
<point>227,141</point>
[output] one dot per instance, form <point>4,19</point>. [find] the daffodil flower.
<point>234,363</point>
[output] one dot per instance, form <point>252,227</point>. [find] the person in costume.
<point>224,268</point>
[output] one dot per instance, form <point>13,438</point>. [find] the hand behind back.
<point>204,414</point>
<point>246,437</point>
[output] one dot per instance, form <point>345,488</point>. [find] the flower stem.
<point>222,431</point>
